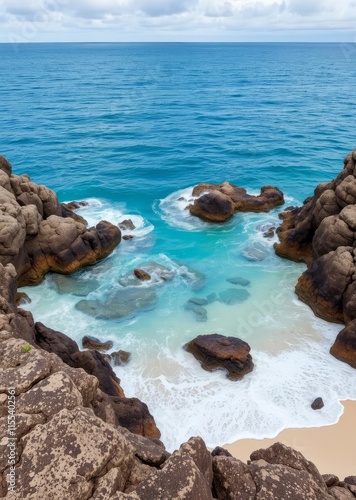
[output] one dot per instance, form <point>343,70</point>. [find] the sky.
<point>177,20</point>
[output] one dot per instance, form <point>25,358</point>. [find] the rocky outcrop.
<point>218,203</point>
<point>322,233</point>
<point>344,347</point>
<point>217,352</point>
<point>38,234</point>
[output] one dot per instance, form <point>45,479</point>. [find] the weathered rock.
<point>218,451</point>
<point>75,205</point>
<point>127,225</point>
<point>141,274</point>
<point>232,479</point>
<point>350,480</point>
<point>317,404</point>
<point>127,237</point>
<point>344,347</point>
<point>134,415</point>
<point>64,246</point>
<point>216,352</point>
<point>22,298</point>
<point>323,285</point>
<point>213,207</point>
<point>120,358</point>
<point>5,166</point>
<point>330,480</point>
<point>184,475</point>
<point>62,458</point>
<point>157,273</point>
<point>220,202</point>
<point>233,296</point>
<point>89,342</point>
<point>341,493</point>
<point>121,303</point>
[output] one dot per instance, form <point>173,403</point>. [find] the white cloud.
<point>169,19</point>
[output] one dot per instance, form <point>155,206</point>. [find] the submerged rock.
<point>217,352</point>
<point>221,202</point>
<point>255,251</point>
<point>89,342</point>
<point>127,237</point>
<point>121,303</point>
<point>76,285</point>
<point>239,281</point>
<point>120,358</point>
<point>22,298</point>
<point>200,313</point>
<point>198,301</point>
<point>233,296</point>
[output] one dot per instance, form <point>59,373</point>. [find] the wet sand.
<point>332,448</point>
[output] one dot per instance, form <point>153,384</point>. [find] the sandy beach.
<point>332,448</point>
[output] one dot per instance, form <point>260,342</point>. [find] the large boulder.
<point>218,203</point>
<point>217,352</point>
<point>344,347</point>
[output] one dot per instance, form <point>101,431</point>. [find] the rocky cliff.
<point>67,430</point>
<point>322,233</point>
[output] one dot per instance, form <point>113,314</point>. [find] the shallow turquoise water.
<point>131,127</point>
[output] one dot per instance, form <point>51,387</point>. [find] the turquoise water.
<point>131,128</point>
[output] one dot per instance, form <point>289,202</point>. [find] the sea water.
<point>131,128</point>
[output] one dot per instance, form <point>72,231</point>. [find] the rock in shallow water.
<point>344,347</point>
<point>255,251</point>
<point>158,274</point>
<point>201,314</point>
<point>75,285</point>
<point>239,281</point>
<point>217,352</point>
<point>122,303</point>
<point>89,342</point>
<point>233,296</point>
<point>318,404</point>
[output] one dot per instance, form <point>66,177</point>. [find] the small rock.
<point>233,296</point>
<point>330,480</point>
<point>89,342</point>
<point>120,358</point>
<point>239,281</point>
<point>75,205</point>
<point>81,287</point>
<point>182,199</point>
<point>198,301</point>
<point>317,404</point>
<point>22,298</point>
<point>127,225</point>
<point>127,237</point>
<point>141,274</point>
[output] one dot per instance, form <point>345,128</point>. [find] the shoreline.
<point>331,448</point>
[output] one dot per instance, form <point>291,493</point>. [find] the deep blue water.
<point>130,125</point>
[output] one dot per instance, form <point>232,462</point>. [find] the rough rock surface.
<point>218,203</point>
<point>322,233</point>
<point>216,352</point>
<point>38,234</point>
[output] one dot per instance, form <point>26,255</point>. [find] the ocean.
<point>131,128</point>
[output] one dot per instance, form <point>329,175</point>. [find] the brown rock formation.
<point>322,233</point>
<point>89,342</point>
<point>220,202</point>
<point>38,234</point>
<point>216,352</point>
<point>344,347</point>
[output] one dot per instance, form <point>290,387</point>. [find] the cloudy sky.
<point>177,20</point>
